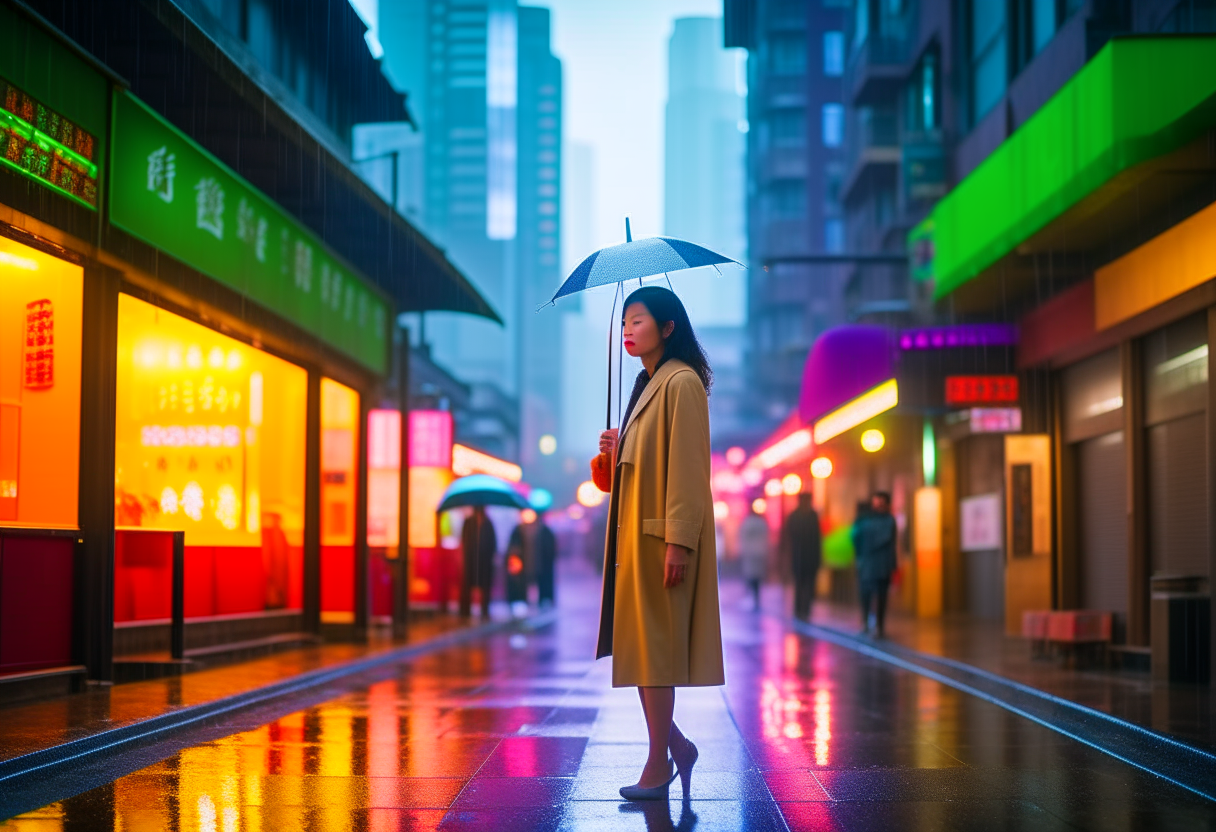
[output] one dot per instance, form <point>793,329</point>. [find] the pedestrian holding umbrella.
<point>659,616</point>
<point>477,540</point>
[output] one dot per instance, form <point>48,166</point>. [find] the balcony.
<point>877,68</point>
<point>872,143</point>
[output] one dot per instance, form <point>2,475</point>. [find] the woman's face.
<point>641,331</point>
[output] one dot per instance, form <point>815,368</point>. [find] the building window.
<point>989,62</point>
<point>833,54</point>
<point>41,315</point>
<point>788,198</point>
<point>787,55</point>
<point>209,439</point>
<point>833,125</point>
<point>833,236</point>
<point>1188,16</point>
<point>922,105</point>
<point>789,127</point>
<point>861,22</point>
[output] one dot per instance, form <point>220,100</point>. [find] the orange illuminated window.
<point>41,300</point>
<point>210,439</point>
<point>339,481</point>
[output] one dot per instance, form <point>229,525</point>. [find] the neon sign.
<point>40,143</point>
<point>981,389</point>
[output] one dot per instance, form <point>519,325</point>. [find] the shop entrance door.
<point>1102,525</point>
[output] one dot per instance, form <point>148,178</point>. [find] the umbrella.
<point>635,260</point>
<point>481,490</point>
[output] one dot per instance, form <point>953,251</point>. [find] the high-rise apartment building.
<point>538,245</point>
<point>795,170</point>
<point>485,90</point>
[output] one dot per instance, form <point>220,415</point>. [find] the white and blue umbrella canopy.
<point>638,259</point>
<point>481,490</point>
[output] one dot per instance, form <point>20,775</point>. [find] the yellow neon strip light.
<point>781,450</point>
<point>866,406</point>
<point>467,461</point>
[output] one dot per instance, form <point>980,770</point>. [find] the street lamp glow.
<point>791,484</point>
<point>772,488</point>
<point>821,468</point>
<point>873,440</point>
<point>548,444</point>
<point>527,516</point>
<point>589,495</point>
<point>760,505</point>
<point>721,510</point>
<point>736,456</point>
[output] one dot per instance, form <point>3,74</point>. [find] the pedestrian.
<point>478,545</point>
<point>659,617</point>
<point>519,551</point>
<point>803,545</point>
<point>874,550</point>
<point>545,549</point>
<point>753,553</point>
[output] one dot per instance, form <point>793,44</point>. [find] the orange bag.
<point>601,472</point>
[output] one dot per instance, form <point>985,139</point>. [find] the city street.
<point>521,731</point>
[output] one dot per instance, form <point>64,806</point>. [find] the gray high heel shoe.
<point>653,793</point>
<point>685,772</point>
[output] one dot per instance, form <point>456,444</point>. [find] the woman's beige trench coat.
<point>662,637</point>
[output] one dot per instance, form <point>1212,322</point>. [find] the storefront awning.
<point>1137,100</point>
<point>844,362</point>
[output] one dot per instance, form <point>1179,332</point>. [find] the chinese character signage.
<point>47,147</point>
<point>964,390</point>
<point>39,345</point>
<point>168,191</point>
<point>996,419</point>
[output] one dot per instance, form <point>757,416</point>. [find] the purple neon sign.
<point>959,335</point>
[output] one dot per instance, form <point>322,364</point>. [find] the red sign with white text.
<point>965,390</point>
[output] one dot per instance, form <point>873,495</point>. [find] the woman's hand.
<point>608,441</point>
<point>675,566</point>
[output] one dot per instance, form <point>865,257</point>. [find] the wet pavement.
<point>521,731</point>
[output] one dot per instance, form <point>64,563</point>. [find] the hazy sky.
<point>614,57</point>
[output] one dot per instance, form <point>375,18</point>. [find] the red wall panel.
<point>35,602</point>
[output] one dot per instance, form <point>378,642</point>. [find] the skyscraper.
<point>538,244</point>
<point>704,197</point>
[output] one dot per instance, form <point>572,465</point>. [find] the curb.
<point>1176,762</point>
<point>60,759</point>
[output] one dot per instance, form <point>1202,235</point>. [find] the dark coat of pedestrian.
<point>802,541</point>
<point>545,560</point>
<point>478,545</point>
<point>874,537</point>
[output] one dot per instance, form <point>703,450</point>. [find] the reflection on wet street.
<point>523,732</point>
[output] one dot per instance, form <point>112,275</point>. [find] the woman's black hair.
<point>665,307</point>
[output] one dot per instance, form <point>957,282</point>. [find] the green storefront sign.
<point>171,193</point>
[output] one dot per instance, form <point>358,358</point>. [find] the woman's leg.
<point>658,704</point>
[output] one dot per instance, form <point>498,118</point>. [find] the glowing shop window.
<point>41,300</point>
<point>339,480</point>
<point>210,439</point>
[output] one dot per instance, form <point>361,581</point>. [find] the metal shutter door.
<point>1102,480</point>
<point>1178,496</point>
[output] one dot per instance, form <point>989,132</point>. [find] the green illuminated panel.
<point>168,191</point>
<point>47,147</point>
<point>1126,106</point>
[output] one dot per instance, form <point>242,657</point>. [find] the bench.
<point>1066,631</point>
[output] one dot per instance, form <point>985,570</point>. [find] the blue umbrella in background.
<point>635,260</point>
<point>481,490</point>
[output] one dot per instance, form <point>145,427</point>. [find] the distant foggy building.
<point>704,195</point>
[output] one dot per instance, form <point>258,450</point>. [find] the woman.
<point>753,553</point>
<point>659,615</point>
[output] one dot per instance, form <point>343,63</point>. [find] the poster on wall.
<point>980,523</point>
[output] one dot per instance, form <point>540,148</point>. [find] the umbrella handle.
<point>611,328</point>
